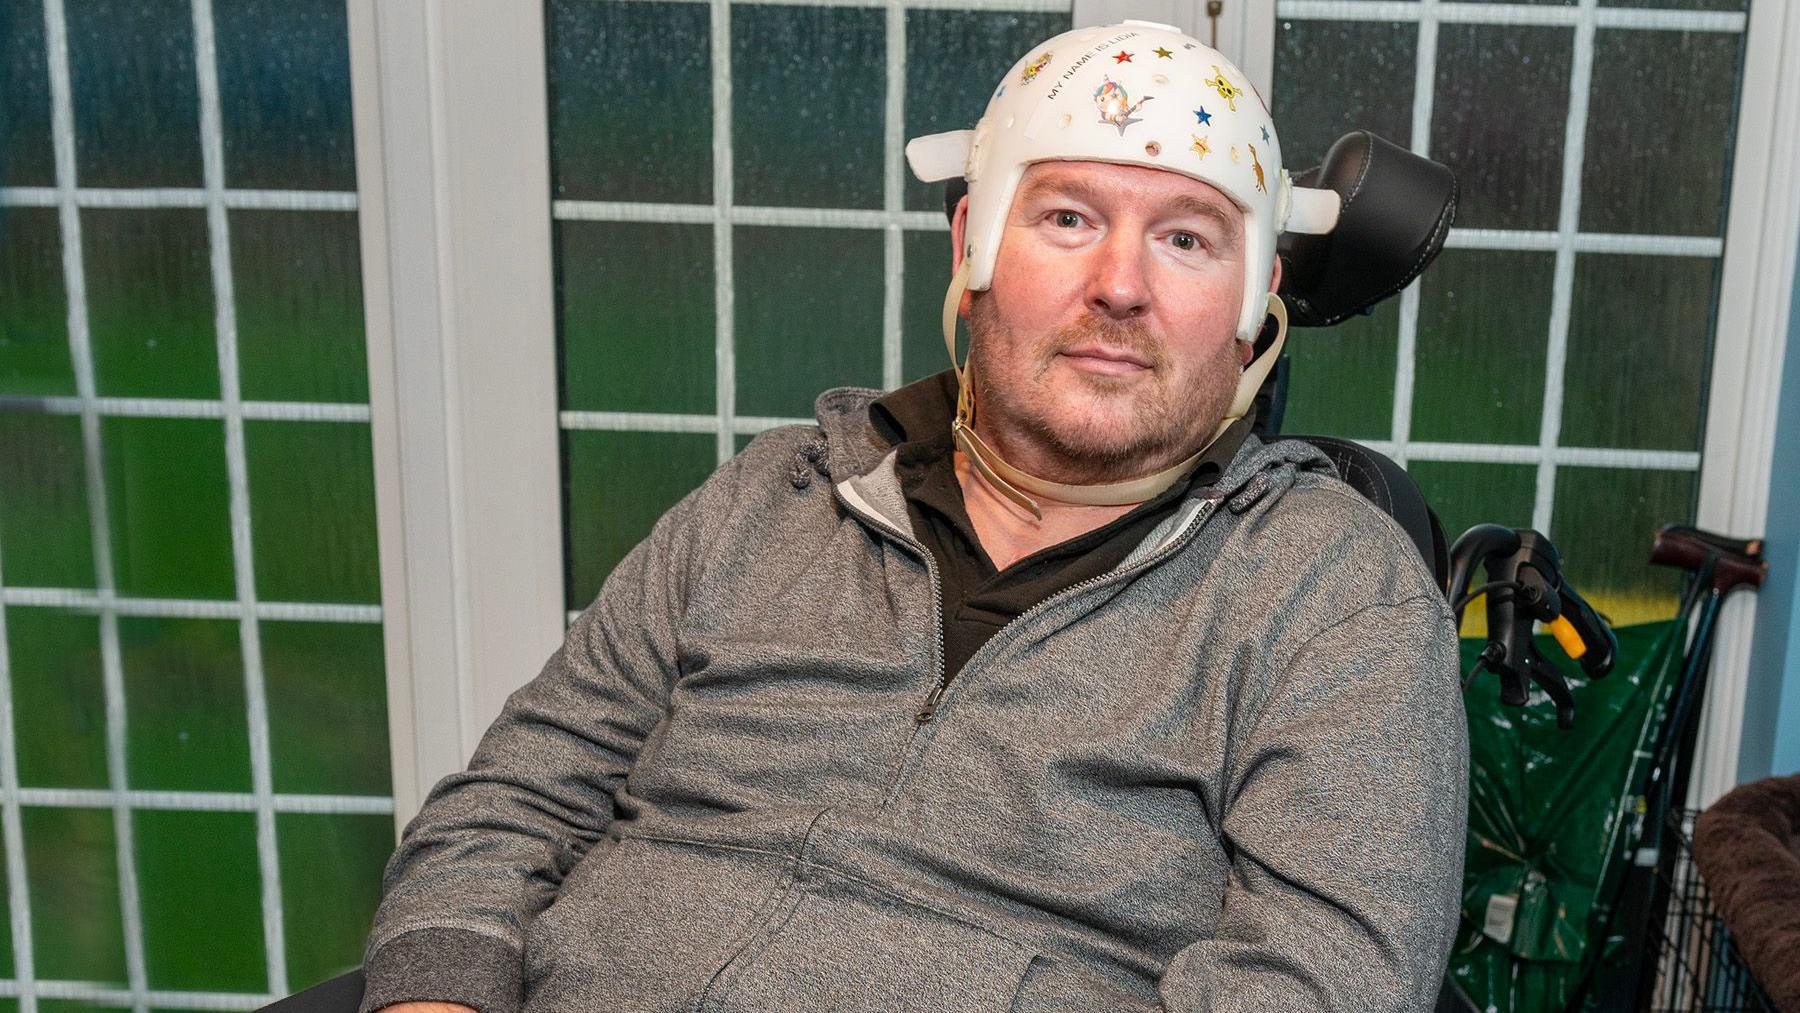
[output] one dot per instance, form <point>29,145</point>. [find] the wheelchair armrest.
<point>342,994</point>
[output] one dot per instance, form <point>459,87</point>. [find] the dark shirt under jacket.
<point>978,599</point>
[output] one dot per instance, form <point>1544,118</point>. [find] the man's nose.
<point>1118,287</point>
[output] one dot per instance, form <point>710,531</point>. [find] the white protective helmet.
<point>1137,93</point>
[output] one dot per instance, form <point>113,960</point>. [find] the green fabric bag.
<point>1554,818</point>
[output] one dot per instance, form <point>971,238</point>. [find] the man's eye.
<point>1066,219</point>
<point>1186,241</point>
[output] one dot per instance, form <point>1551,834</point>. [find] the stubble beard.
<point>1088,443</point>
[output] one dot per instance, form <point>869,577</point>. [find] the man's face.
<point>1106,347</point>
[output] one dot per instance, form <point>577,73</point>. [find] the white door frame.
<point>1736,470</point>
<point>452,149</point>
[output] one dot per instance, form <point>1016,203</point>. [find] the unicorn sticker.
<point>1115,104</point>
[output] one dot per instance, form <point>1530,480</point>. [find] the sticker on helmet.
<point>1121,57</point>
<point>1256,164</point>
<point>1032,68</point>
<point>1227,91</point>
<point>1203,116</point>
<point>1115,104</point>
<point>1200,147</point>
<point>1164,53</point>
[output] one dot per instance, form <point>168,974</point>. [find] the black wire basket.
<point>1698,967</point>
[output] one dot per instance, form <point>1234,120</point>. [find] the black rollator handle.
<point>1525,586</point>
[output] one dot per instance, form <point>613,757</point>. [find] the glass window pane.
<point>202,901</point>
<point>56,681</point>
<point>71,855</point>
<point>1497,118</point>
<point>312,508</point>
<point>618,484</point>
<point>808,87</point>
<point>298,282</point>
<point>808,315</point>
<point>636,316</point>
<point>184,686</point>
<point>46,536</point>
<point>1464,495</point>
<point>284,94</point>
<point>1605,521</point>
<point>135,96</point>
<point>325,928</point>
<point>1637,361</point>
<point>630,118</point>
<point>1332,77</point>
<point>327,691</point>
<point>1660,119</point>
<point>922,351</point>
<point>1684,5</point>
<point>34,307</point>
<point>169,506</point>
<point>953,59</point>
<point>1484,325</point>
<point>1341,379</point>
<point>150,302</point>
<point>26,157</point>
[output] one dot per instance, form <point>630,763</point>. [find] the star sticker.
<point>1165,54</point>
<point>1200,147</point>
<point>1265,131</point>
<point>1122,57</point>
<point>1002,91</point>
<point>1203,116</point>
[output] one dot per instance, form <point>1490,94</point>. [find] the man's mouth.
<point>1104,359</point>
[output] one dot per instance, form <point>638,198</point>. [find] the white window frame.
<point>451,128</point>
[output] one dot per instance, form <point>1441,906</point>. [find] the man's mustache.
<point>1129,336</point>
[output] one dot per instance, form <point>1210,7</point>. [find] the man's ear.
<point>1246,350</point>
<point>959,223</point>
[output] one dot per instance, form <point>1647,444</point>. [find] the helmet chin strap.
<point>1015,484</point>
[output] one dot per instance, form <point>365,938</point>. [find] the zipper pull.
<point>929,711</point>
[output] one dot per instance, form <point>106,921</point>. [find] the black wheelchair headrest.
<point>1397,210</point>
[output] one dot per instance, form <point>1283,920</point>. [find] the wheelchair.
<point>1396,213</point>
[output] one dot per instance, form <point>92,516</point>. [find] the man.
<point>1039,685</point>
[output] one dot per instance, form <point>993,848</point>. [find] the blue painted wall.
<point>1771,740</point>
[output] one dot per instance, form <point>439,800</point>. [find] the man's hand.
<point>426,1007</point>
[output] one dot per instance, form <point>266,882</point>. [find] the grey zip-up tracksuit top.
<point>1230,774</point>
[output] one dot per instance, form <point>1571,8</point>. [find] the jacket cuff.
<point>444,965</point>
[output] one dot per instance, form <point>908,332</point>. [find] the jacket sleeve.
<point>1344,816</point>
<point>491,845</point>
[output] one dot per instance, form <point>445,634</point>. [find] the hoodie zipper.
<point>929,709</point>
<point>937,596</point>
